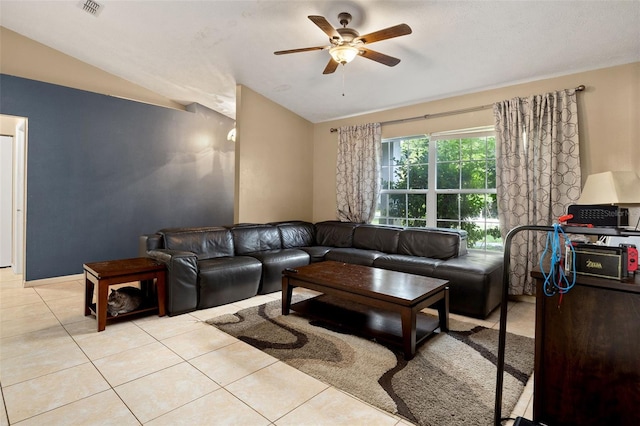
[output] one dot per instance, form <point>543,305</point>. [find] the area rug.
<point>450,381</point>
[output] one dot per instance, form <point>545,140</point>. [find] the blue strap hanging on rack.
<point>555,279</point>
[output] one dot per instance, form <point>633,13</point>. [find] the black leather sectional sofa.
<point>212,266</point>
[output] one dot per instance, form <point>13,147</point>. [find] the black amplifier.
<point>598,215</point>
<point>600,261</point>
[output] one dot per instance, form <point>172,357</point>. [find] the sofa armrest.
<point>182,279</point>
<point>149,242</point>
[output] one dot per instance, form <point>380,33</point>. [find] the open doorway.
<point>13,154</point>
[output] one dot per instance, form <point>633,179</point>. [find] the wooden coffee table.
<point>373,302</point>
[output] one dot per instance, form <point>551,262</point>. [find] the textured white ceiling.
<point>197,51</point>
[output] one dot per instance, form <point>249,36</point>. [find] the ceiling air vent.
<point>91,6</point>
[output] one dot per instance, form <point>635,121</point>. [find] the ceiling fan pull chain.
<point>343,73</point>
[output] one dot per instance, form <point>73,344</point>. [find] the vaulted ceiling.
<point>197,51</point>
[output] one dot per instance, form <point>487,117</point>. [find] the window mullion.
<point>432,199</point>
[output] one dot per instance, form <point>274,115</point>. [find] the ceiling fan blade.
<point>325,26</point>
<point>379,57</point>
<point>304,49</point>
<point>395,31</point>
<point>331,67</point>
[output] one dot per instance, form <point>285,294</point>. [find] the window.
<point>446,180</point>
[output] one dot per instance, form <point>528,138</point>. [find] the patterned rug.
<point>450,381</point>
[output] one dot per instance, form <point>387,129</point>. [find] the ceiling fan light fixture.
<point>343,54</point>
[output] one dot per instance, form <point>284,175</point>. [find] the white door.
<point>6,199</point>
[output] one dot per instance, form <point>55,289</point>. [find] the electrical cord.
<point>556,280</point>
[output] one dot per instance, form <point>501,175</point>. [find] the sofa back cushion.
<point>334,233</point>
<point>374,237</point>
<point>206,243</point>
<point>252,238</point>
<point>435,243</point>
<point>296,234</point>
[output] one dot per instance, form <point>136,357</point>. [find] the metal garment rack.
<point>612,232</point>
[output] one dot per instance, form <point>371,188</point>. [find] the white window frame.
<point>432,191</point>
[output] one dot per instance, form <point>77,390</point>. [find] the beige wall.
<point>609,124</point>
<point>274,158</point>
<point>23,57</point>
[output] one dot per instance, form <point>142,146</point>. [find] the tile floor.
<point>56,369</point>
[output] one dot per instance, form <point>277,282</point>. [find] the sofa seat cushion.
<point>475,282</point>
<point>353,255</point>
<point>274,262</point>
<point>227,279</point>
<point>409,264</point>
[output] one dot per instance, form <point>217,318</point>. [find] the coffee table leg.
<point>287,291</point>
<point>443,310</point>
<point>408,332</point>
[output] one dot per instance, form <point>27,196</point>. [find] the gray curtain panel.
<point>537,172</point>
<point>358,172</point>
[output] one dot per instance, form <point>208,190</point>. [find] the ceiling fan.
<point>347,43</point>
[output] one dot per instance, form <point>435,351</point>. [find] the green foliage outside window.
<point>462,166</point>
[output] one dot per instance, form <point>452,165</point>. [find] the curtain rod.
<point>446,113</point>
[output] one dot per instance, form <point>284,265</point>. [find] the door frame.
<point>17,128</point>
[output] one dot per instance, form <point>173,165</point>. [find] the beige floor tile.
<point>10,297</point>
<point>164,327</point>
<point>103,408</point>
<point>61,290</point>
<point>114,339</point>
<point>21,344</point>
<point>135,363</point>
<point>275,390</point>
<point>205,314</point>
<point>158,393</point>
<point>17,283</point>
<point>233,362</point>
<point>88,327</point>
<point>16,327</point>
<point>521,319</point>
<point>31,310</point>
<point>40,362</point>
<point>217,408</point>
<point>333,407</point>
<point>4,420</point>
<point>68,310</point>
<point>54,390</point>
<point>524,401</point>
<point>197,342</point>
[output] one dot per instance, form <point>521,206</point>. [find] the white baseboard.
<point>54,280</point>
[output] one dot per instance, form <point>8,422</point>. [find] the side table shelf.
<point>112,272</point>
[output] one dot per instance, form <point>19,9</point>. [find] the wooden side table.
<point>111,272</point>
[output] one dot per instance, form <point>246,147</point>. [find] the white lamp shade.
<point>611,188</point>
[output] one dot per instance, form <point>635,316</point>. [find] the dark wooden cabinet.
<point>587,360</point>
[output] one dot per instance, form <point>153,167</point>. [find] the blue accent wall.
<point>102,170</point>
